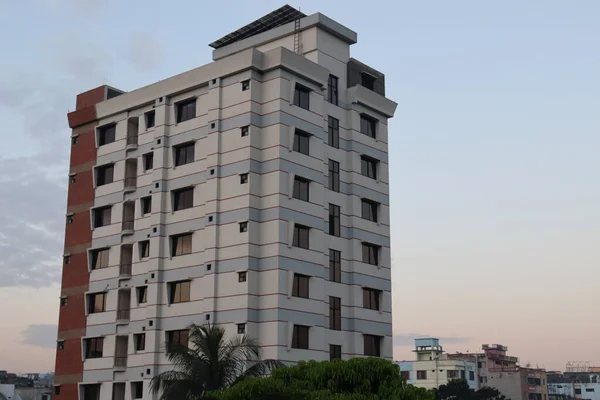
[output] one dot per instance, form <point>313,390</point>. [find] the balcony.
<point>127,227</point>
<point>128,224</point>
<point>132,133</point>
<point>123,316</point>
<point>130,184</point>
<point>121,362</point>
<point>125,271</point>
<point>126,260</point>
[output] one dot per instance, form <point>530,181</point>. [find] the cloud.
<point>42,335</point>
<point>408,339</point>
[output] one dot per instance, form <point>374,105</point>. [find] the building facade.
<point>251,192</point>
<point>432,367</point>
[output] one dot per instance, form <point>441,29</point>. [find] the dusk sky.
<point>494,155</point>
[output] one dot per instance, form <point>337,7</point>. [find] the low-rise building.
<point>432,367</point>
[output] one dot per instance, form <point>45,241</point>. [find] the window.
<point>452,374</point>
<point>242,276</point>
<point>63,301</point>
<point>243,227</point>
<point>184,154</point>
<point>150,117</point>
<point>241,329</point>
<point>534,381</point>
<point>332,90</point>
<point>96,302</point>
<point>102,216</point>
<point>368,126</point>
<point>93,347</point>
<point>368,81</point>
<point>479,365</point>
<point>372,345</point>
<point>146,205</point>
<point>589,390</point>
<point>104,174</point>
<point>369,210</point>
<point>421,375</point>
<point>57,389</point>
<point>245,85</point>
<point>301,142</point>
<point>186,110</point>
<point>301,234</point>
<point>99,258</point>
<point>177,338</point>
<point>183,198</point>
<point>179,292</point>
<point>145,249</point>
<point>335,265</point>
<point>335,313</point>
<point>471,375</point>
<point>368,167</point>
<point>75,139</point>
<point>245,130</point>
<point>302,97</point>
<point>140,341</point>
<point>181,244</point>
<point>405,375</point>
<point>60,344</point>
<point>148,160</point>
<point>142,294</point>
<point>243,179</point>
<point>106,134</point>
<point>334,176</point>
<point>300,337</point>
<point>91,392</point>
<point>333,129</point>
<point>137,388</point>
<point>462,374</point>
<point>335,352</point>
<point>301,188</point>
<point>370,253</point>
<point>334,220</point>
<point>300,287</point>
<point>371,298</point>
<point>577,391</point>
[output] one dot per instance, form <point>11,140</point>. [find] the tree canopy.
<point>458,389</point>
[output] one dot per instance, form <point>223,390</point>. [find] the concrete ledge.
<point>368,98</point>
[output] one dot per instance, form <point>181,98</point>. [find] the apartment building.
<point>251,192</point>
<point>432,367</point>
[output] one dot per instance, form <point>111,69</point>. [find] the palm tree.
<point>211,362</point>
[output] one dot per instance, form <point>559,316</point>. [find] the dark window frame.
<point>301,189</point>
<point>185,110</point>
<point>183,198</point>
<point>184,153</point>
<point>146,205</point>
<point>180,245</point>
<point>335,265</point>
<point>335,313</point>
<point>301,337</point>
<point>97,258</point>
<point>333,132</point>
<point>144,249</point>
<point>178,337</point>
<point>93,302</point>
<point>105,174</point>
<point>334,175</point>
<point>370,253</point>
<point>335,352</point>
<point>301,142</point>
<point>242,276</point>
<point>302,96</point>
<point>107,134</point>
<point>301,286</point>
<point>180,291</point>
<point>102,216</point>
<point>301,236</point>
<point>245,85</point>
<point>138,390</point>
<point>241,329</point>
<point>369,210</point>
<point>372,345</point>
<point>368,81</point>
<point>141,293</point>
<point>150,119</point>
<point>148,161</point>
<point>368,167</point>
<point>139,341</point>
<point>421,375</point>
<point>332,89</point>
<point>94,347</point>
<point>368,126</point>
<point>335,220</point>
<point>371,299</point>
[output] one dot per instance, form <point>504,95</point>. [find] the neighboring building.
<point>251,192</point>
<point>575,384</point>
<point>432,368</point>
<point>8,392</point>
<point>503,372</point>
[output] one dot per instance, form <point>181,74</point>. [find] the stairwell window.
<point>185,110</point>
<point>333,129</point>
<point>368,126</point>
<point>302,97</point>
<point>106,134</point>
<point>332,90</point>
<point>302,142</point>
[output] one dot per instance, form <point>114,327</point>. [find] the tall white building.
<point>251,192</point>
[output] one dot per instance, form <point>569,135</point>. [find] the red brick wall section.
<point>78,238</point>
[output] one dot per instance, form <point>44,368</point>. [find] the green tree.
<point>211,362</point>
<point>458,389</point>
<point>354,379</point>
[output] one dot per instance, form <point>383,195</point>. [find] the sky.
<point>494,163</point>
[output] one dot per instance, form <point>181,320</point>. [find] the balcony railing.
<point>131,182</point>
<point>127,225</point>
<point>125,269</point>
<point>120,361</point>
<point>123,315</point>
<point>132,140</point>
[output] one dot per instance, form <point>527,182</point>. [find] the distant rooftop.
<point>281,16</point>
